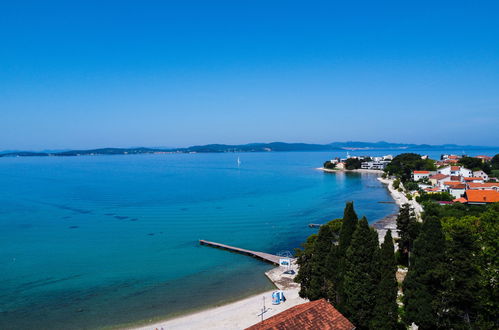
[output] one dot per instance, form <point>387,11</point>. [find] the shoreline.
<point>240,314</point>
<point>400,198</point>
<point>244,312</point>
<point>360,170</point>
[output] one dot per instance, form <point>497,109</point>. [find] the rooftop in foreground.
<point>318,314</point>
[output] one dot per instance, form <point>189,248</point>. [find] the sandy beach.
<point>400,197</point>
<point>240,314</point>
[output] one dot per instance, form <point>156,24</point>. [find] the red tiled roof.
<point>452,183</point>
<point>477,185</point>
<point>318,314</point>
<point>484,157</point>
<point>482,196</point>
<point>421,172</point>
<point>453,157</point>
<point>455,168</point>
<point>432,189</point>
<point>438,176</point>
<point>472,178</point>
<point>460,200</point>
<point>455,178</point>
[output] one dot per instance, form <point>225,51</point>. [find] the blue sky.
<point>178,73</point>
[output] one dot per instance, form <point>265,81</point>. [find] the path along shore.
<point>244,313</point>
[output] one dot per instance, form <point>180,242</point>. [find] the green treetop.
<point>386,309</point>
<point>424,281</point>
<point>361,276</point>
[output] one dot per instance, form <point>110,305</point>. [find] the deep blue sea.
<point>96,241</point>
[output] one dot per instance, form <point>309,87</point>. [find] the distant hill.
<point>252,147</point>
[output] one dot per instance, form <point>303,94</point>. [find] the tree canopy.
<point>403,165</point>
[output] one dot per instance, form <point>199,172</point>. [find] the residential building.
<point>455,170</point>
<point>374,165</point>
<point>340,165</point>
<point>455,188</point>
<point>481,197</point>
<point>484,158</point>
<point>317,314</point>
<point>418,175</point>
<point>483,186</point>
<point>481,174</point>
<point>439,179</point>
<point>473,179</point>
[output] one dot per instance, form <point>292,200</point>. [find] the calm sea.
<point>89,242</point>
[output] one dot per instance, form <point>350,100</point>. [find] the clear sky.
<point>177,73</point>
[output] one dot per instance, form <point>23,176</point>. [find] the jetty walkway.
<point>267,257</point>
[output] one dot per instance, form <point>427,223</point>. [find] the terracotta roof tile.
<point>473,178</point>
<point>482,196</point>
<point>452,183</point>
<point>438,176</point>
<point>455,168</point>
<point>421,172</point>
<point>318,314</point>
<point>478,185</point>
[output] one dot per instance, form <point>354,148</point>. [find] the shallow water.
<point>88,242</point>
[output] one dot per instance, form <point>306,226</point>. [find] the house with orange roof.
<point>433,190</point>
<point>484,158</point>
<point>473,179</point>
<point>455,188</point>
<point>318,314</point>
<point>456,171</point>
<point>418,175</point>
<point>438,179</point>
<point>483,186</point>
<point>480,197</point>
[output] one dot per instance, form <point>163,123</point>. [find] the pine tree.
<point>408,229</point>
<point>424,281</point>
<point>361,275</point>
<point>337,266</point>
<point>462,281</point>
<point>386,309</point>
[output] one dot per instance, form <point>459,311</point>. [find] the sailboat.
<point>238,162</point>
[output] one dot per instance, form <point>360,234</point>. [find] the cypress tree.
<point>304,258</point>
<point>320,281</point>
<point>314,275</point>
<point>386,309</point>
<point>361,275</point>
<point>462,281</point>
<point>408,229</point>
<point>348,228</point>
<point>424,281</point>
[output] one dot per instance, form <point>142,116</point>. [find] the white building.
<point>481,174</point>
<point>418,175</point>
<point>374,165</point>
<point>456,171</point>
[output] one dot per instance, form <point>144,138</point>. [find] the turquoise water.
<point>88,242</point>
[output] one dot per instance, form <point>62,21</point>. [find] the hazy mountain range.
<point>251,147</point>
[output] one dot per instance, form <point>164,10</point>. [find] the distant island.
<point>251,147</point>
